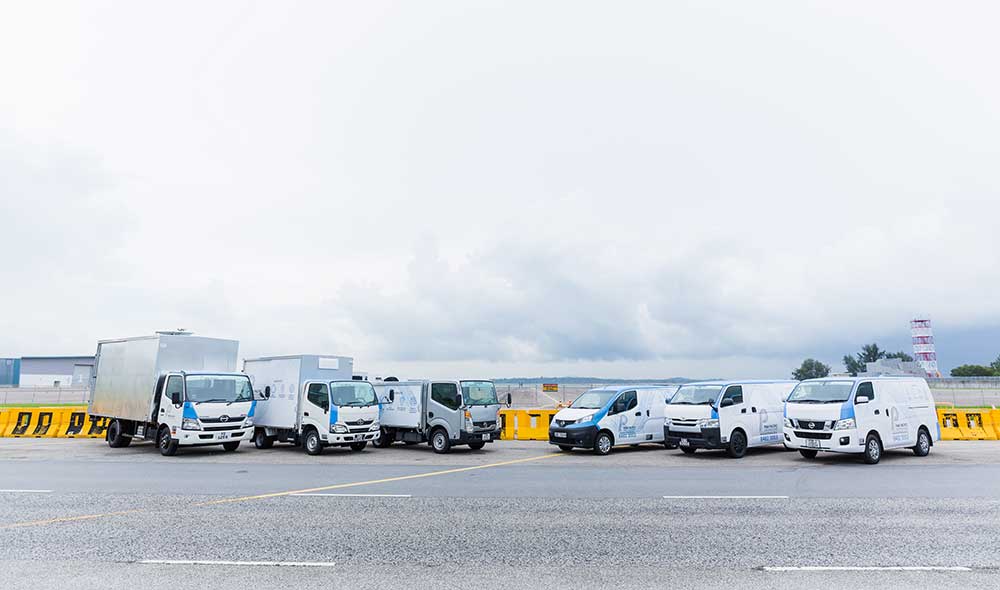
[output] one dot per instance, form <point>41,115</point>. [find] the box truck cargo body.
<point>312,400</point>
<point>174,388</point>
<point>441,413</point>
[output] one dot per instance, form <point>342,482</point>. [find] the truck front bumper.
<point>703,438</point>
<point>210,437</point>
<point>465,438</point>
<point>350,438</point>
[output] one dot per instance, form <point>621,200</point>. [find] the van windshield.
<point>694,395</point>
<point>218,388</point>
<point>821,392</point>
<point>594,399</point>
<point>479,393</point>
<point>355,393</point>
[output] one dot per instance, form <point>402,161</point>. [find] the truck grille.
<point>360,422</point>
<point>228,420</point>
<point>486,425</point>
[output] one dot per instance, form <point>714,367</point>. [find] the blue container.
<point>10,372</point>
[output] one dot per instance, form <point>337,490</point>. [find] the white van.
<point>861,415</point>
<point>608,416</point>
<point>730,415</point>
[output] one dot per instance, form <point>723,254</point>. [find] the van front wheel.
<point>687,450</point>
<point>737,445</point>
<point>873,450</point>
<point>923,447</point>
<point>808,453</point>
<point>603,443</point>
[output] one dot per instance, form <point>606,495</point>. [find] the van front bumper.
<point>705,438</point>
<point>211,437</point>
<point>836,441</point>
<point>582,436</point>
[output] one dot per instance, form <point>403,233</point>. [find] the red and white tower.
<point>923,346</point>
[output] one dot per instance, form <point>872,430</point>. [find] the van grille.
<point>813,425</point>
<point>816,435</point>
<point>684,421</point>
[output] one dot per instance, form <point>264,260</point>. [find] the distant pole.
<point>923,346</point>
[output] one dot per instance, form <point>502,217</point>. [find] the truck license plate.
<point>684,442</point>
<point>222,435</point>
<point>559,434</point>
<point>812,443</point>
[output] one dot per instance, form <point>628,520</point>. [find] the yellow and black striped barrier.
<point>51,422</point>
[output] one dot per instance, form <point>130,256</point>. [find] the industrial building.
<point>46,371</point>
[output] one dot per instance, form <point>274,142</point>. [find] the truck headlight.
<point>708,423</point>
<point>586,418</point>
<point>338,428</point>
<point>788,423</point>
<point>191,424</point>
<point>846,424</point>
<point>375,426</point>
<point>248,422</point>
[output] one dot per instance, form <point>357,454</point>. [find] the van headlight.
<point>375,426</point>
<point>846,424</point>
<point>788,423</point>
<point>338,428</point>
<point>708,423</point>
<point>583,419</point>
<point>191,424</point>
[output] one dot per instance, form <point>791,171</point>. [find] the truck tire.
<point>116,435</point>
<point>166,443</point>
<point>440,441</point>
<point>873,449</point>
<point>229,447</point>
<point>261,440</point>
<point>359,446</point>
<point>475,446</point>
<point>384,440</point>
<point>808,453</point>
<point>311,442</point>
<point>737,444</point>
<point>923,446</point>
<point>603,443</point>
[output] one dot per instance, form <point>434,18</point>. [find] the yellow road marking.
<point>67,519</point>
<point>341,486</point>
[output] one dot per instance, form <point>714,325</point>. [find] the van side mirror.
<point>862,399</point>
<point>727,402</point>
<point>267,392</point>
<point>509,399</point>
<point>175,398</point>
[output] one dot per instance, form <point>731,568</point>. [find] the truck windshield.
<point>694,395</point>
<point>594,399</point>
<point>359,393</point>
<point>479,393</point>
<point>821,392</point>
<point>218,388</point>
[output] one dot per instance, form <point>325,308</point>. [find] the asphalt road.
<point>78,514</point>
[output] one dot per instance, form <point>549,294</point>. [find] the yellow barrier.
<point>54,422</point>
<point>948,418</point>
<point>526,424</point>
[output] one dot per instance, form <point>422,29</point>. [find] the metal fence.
<point>43,395</point>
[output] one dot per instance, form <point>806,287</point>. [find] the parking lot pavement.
<point>78,514</point>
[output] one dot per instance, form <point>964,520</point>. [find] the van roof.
<point>873,378</point>
<point>632,387</point>
<point>742,382</point>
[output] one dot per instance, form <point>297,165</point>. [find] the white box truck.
<point>174,388</point>
<point>442,413</point>
<point>313,401</point>
<point>862,415</point>
<point>729,415</point>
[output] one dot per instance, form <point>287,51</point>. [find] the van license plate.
<point>486,437</point>
<point>222,435</point>
<point>559,434</point>
<point>812,443</point>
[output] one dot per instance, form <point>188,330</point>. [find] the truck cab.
<point>338,413</point>
<point>203,409</point>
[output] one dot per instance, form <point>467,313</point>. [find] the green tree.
<point>811,369</point>
<point>901,356</point>
<point>973,371</point>
<point>869,354</point>
<point>995,365</point>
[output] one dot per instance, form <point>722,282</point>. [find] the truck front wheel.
<point>312,444</point>
<point>229,447</point>
<point>166,443</point>
<point>116,435</point>
<point>359,446</point>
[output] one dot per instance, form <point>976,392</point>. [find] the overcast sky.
<point>517,188</point>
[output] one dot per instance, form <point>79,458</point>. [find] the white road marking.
<point>357,495</point>
<point>238,563</point>
<point>725,497</point>
<point>850,568</point>
<point>26,491</point>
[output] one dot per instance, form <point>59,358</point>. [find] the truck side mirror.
<point>175,398</point>
<point>508,399</point>
<point>726,403</point>
<point>267,392</point>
